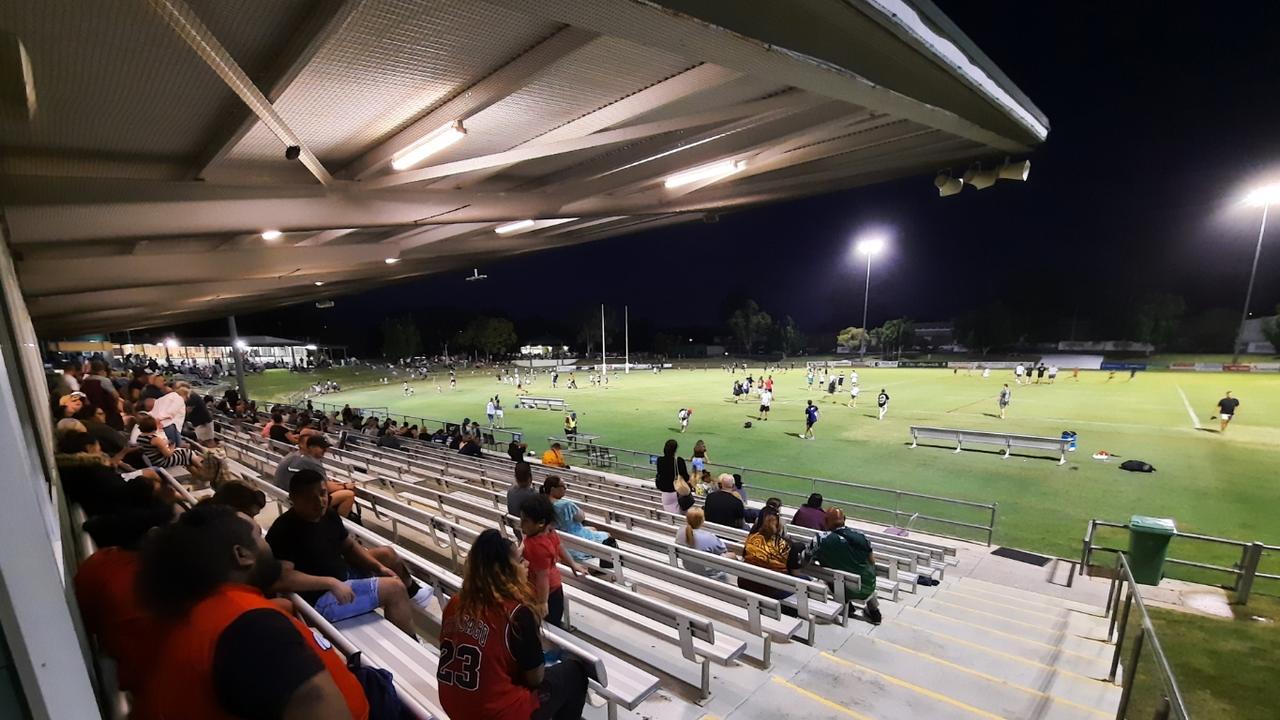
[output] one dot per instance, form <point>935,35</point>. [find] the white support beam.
<point>193,31</point>
<point>426,235</point>
<point>495,87</point>
<point>324,237</point>
<point>323,23</point>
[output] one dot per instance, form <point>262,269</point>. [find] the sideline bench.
<point>534,402</point>
<point>1009,441</point>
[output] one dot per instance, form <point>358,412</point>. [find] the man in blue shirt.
<point>810,419</point>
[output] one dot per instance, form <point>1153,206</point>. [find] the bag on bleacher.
<point>209,472</point>
<point>799,555</point>
<point>379,690</point>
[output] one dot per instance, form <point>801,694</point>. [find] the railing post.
<point>995,509</point>
<point>1248,569</point>
<point>1086,552</point>
<point>1130,674</point>
<point>1124,624</point>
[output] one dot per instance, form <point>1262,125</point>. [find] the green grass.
<point>1225,668</point>
<point>1210,483</point>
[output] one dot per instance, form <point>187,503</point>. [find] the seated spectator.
<point>201,419</point>
<point>496,614</point>
<point>554,457</point>
<point>542,550</point>
<point>154,388</point>
<point>522,489</point>
<point>68,405</point>
<point>309,456</point>
<point>241,497</point>
<point>455,440</point>
<point>471,446</point>
<point>767,547</point>
<point>810,515</point>
<point>157,450</point>
<point>104,585</point>
<point>692,535</point>
<point>723,507</point>
<point>279,431</point>
<point>227,650</point>
<point>389,440</point>
<point>94,421</point>
<point>516,451</point>
<point>338,576</point>
<point>569,519</point>
<point>843,548</point>
<point>170,412</point>
<point>101,393</point>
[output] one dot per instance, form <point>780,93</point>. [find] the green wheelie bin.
<point>1148,544</point>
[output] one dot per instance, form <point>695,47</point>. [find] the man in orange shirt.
<point>227,651</point>
<point>554,457</point>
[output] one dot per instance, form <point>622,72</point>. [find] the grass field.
<point>1210,483</point>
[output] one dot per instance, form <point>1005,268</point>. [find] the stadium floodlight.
<point>981,179</point>
<point>1263,197</point>
<point>311,347</point>
<point>870,246</point>
<point>391,261</point>
<point>242,345</point>
<point>1015,170</point>
<point>514,227</point>
<point>947,185</point>
<point>171,342</point>
<point>318,283</point>
<point>429,144</point>
<point>714,171</point>
<point>269,235</point>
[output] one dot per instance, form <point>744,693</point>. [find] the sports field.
<point>1211,483</point>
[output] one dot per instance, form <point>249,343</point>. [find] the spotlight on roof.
<point>171,342</point>
<point>981,179</point>
<point>947,185</point>
<point>714,171</point>
<point>429,144</point>
<point>391,261</point>
<point>1262,196</point>
<point>318,283</point>
<point>514,227</point>
<point>271,234</point>
<point>1015,170</point>
<point>311,347</point>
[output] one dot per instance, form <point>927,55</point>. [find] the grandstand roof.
<point>136,190</point>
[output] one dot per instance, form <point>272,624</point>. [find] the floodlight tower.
<point>868,246</point>
<point>1259,197</point>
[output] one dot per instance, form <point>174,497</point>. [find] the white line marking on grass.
<point>1194,420</point>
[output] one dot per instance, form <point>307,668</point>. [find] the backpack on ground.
<point>1136,466</point>
<point>379,690</point>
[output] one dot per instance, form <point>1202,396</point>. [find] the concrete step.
<point>1057,682</point>
<point>956,684</point>
<point>1092,659</point>
<point>827,690</point>
<point>1055,619</point>
<point>1067,635</point>
<point>981,593</point>
<point>1025,596</point>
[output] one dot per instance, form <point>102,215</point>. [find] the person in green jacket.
<point>846,549</point>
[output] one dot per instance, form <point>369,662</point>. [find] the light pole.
<point>869,247</point>
<point>1259,197</point>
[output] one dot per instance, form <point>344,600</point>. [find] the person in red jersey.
<point>491,659</point>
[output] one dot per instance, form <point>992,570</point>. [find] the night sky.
<point>1161,117</point>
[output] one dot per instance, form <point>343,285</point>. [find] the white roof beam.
<point>191,29</point>
<point>496,86</point>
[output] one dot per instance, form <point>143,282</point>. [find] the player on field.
<point>1005,396</point>
<point>853,395</point>
<point>882,400</point>
<point>810,419</point>
<point>766,400</point>
<point>1017,373</point>
<point>1227,410</point>
<point>683,417</point>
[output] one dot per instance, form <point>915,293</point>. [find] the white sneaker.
<point>422,598</point>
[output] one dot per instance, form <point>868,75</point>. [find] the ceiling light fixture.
<point>429,144</point>
<point>514,227</point>
<point>947,185</point>
<point>714,171</point>
<point>1015,170</point>
<point>271,234</point>
<point>391,261</point>
<point>981,179</point>
<point>319,283</point>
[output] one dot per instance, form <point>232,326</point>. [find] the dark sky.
<point>1161,115</point>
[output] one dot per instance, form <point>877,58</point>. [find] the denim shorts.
<point>366,591</point>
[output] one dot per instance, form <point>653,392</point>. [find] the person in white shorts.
<point>1227,410</point>
<point>683,417</point>
<point>1017,373</point>
<point>766,400</point>
<point>853,395</point>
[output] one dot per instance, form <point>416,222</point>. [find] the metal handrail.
<point>1172,704</point>
<point>1243,573</point>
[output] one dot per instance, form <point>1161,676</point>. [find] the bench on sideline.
<point>1009,441</point>
<point>534,402</point>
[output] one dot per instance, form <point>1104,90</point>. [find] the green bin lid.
<point>1153,525</point>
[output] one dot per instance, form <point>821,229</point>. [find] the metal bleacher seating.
<point>541,403</point>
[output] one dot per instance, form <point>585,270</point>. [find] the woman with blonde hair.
<point>701,476</point>
<point>692,535</point>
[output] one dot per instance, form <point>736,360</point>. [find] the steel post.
<point>1130,675</point>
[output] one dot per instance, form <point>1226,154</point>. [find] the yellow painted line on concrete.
<point>972,588</point>
<point>992,678</point>
<point>1003,618</point>
<point>821,700</point>
<point>993,651</point>
<point>916,688</point>
<point>1019,638</point>
<point>1015,608</point>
